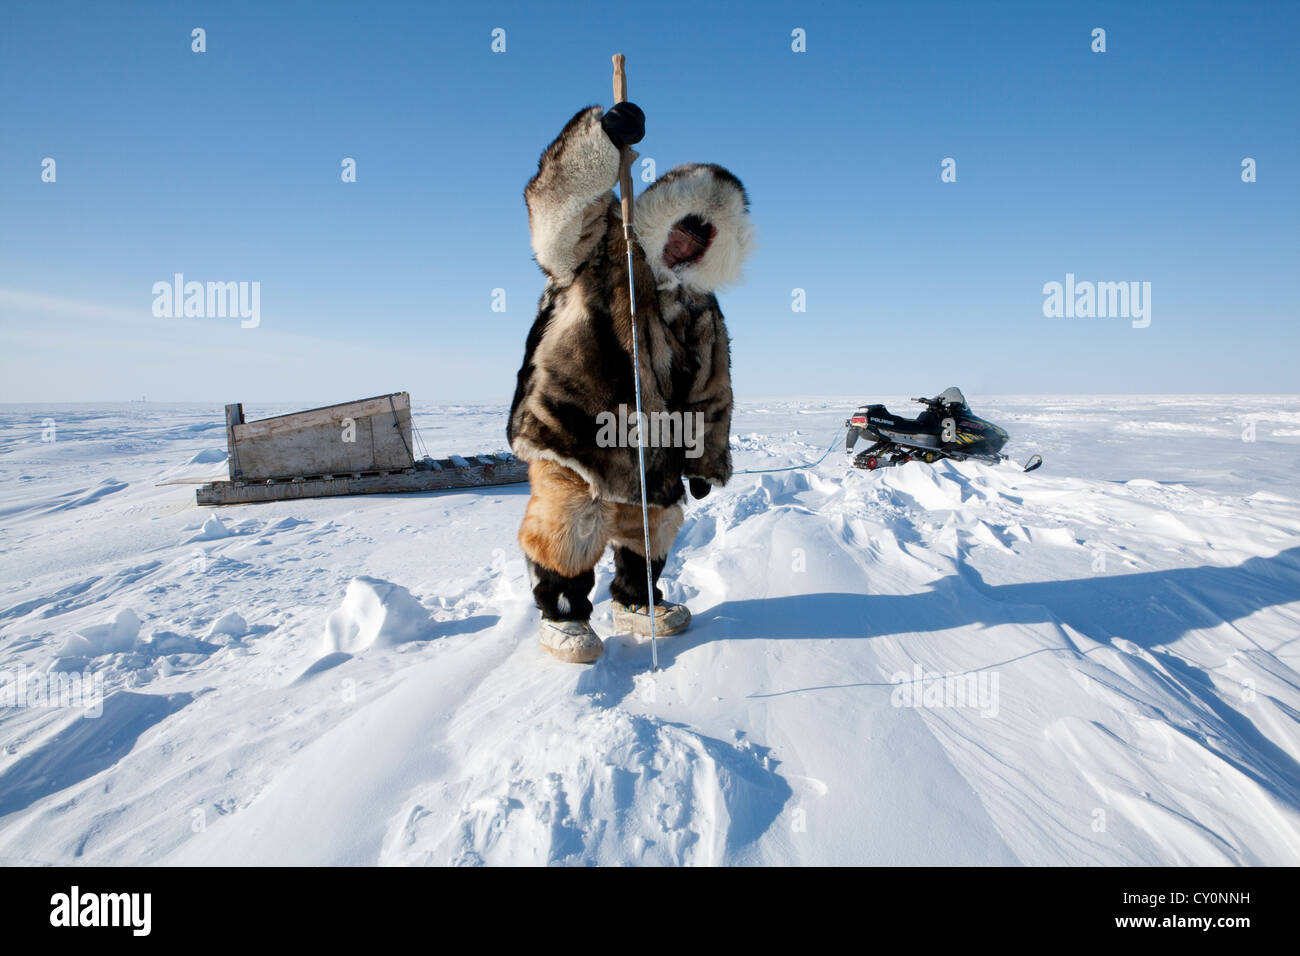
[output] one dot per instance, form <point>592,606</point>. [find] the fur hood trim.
<point>716,196</point>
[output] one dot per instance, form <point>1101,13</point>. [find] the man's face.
<point>686,245</point>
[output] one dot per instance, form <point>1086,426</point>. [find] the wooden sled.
<point>354,448</point>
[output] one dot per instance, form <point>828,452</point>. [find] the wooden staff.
<point>625,187</point>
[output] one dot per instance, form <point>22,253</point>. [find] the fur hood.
<point>714,195</point>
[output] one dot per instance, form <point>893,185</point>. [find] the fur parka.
<point>574,401</point>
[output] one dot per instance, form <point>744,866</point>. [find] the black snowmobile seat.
<point>927,423</point>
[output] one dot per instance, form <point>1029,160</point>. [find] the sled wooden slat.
<point>471,476</point>
<point>353,448</point>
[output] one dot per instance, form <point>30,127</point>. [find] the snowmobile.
<point>946,429</point>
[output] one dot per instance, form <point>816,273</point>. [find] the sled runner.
<point>354,448</point>
<point>946,429</point>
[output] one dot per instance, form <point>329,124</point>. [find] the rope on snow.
<point>811,464</point>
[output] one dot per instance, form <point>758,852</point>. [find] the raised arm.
<point>571,193</point>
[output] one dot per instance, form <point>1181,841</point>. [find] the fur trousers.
<point>564,535</point>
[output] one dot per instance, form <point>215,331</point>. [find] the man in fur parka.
<point>692,236</point>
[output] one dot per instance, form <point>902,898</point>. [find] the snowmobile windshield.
<point>952,396</point>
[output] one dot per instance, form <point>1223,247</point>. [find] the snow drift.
<point>1092,664</point>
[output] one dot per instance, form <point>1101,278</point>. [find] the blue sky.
<point>225,166</point>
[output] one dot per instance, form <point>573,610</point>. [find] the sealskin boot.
<point>571,641</point>
<point>670,619</point>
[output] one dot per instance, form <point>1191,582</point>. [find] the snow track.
<point>1094,663</point>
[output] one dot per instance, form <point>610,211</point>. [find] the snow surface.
<point>357,680</point>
